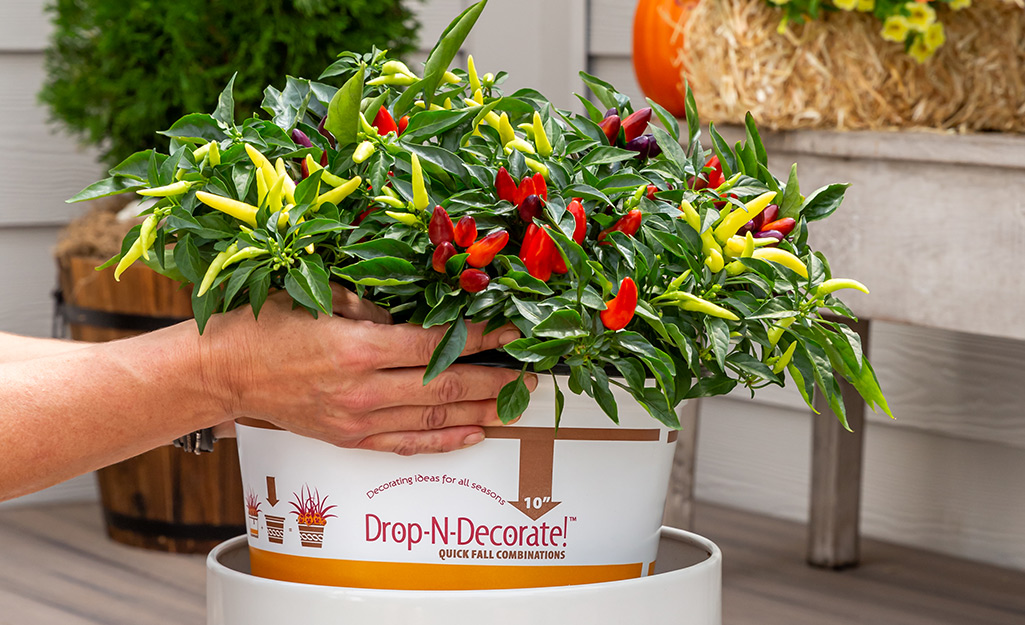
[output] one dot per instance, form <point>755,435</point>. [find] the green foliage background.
<point>118,70</point>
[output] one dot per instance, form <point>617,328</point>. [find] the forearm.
<point>73,412</point>
<point>14,348</point>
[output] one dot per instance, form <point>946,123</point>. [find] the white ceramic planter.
<point>686,589</point>
<point>525,508</point>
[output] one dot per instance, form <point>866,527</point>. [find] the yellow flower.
<point>920,16</point>
<point>935,36</point>
<point>846,5</point>
<point>896,28</point>
<point>957,5</point>
<point>919,50</point>
<point>867,6</point>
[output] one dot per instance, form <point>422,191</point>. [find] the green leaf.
<point>378,248</point>
<point>445,50</point>
<point>723,151</point>
<point>693,121</point>
<point>259,286</point>
<point>561,324</point>
<point>225,111</point>
<point>198,127</point>
<point>712,387</point>
<point>554,347</point>
<point>671,149</point>
<point>107,187</point>
<point>606,93</point>
<point>204,307</point>
<point>427,124</point>
<point>523,281</point>
<point>520,350</point>
<point>719,336</point>
<point>755,140</point>
<point>790,206</point>
<point>298,286</point>
<point>188,261</point>
<point>513,399</point>
<point>446,311</point>
<point>450,348</point>
<point>635,344</point>
<point>343,112</point>
<point>668,119</point>
<point>560,402</point>
<point>383,271</point>
<point>603,394</point>
<point>238,279</point>
<point>632,371</point>
<point>605,155</point>
<point>823,202</point>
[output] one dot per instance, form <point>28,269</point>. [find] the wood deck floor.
<point>58,567</point>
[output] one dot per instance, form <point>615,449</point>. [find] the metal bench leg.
<point>679,510</point>
<point>833,527</point>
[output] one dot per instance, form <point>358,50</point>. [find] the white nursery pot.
<point>686,589</point>
<point>525,508</point>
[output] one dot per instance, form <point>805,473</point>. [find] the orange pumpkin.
<point>657,39</point>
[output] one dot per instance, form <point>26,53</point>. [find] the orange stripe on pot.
<point>574,434</point>
<point>673,435</point>
<point>419,576</point>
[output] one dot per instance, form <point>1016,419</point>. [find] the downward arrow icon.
<point>537,457</point>
<point>272,491</point>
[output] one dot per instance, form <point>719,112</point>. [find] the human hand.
<point>352,380</point>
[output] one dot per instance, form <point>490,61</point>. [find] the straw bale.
<point>839,73</point>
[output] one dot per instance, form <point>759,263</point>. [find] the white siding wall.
<point>944,476</point>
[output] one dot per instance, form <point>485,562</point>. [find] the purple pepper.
<point>327,135</point>
<point>770,234</point>
<point>653,147</point>
<point>530,208</point>
<point>641,145</point>
<point>300,138</point>
<point>612,111</point>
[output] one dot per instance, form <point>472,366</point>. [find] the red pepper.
<point>440,228</point>
<point>484,251</point>
<point>403,123</point>
<point>465,231</point>
<point>537,251</point>
<point>784,226</point>
<point>384,122</point>
<point>714,178</point>
<point>767,216</point>
<point>441,255</point>
<point>540,186</point>
<point>628,224</point>
<point>525,190</point>
<point>304,169</point>
<point>530,208</point>
<point>652,190</point>
<point>474,280</point>
<point>365,214</point>
<point>576,209</point>
<point>620,309</point>
<point>506,186</point>
<point>323,159</point>
<point>635,124</point>
<point>325,132</point>
<point>610,126</point>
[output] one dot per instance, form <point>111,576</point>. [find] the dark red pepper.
<point>440,228</point>
<point>304,169</point>
<point>576,209</point>
<point>652,190</point>
<point>403,123</point>
<point>628,224</point>
<point>505,186</point>
<point>484,251</point>
<point>325,132</point>
<point>530,208</point>
<point>610,126</point>
<point>441,255</point>
<point>636,123</point>
<point>620,309</point>
<point>323,159</point>
<point>474,280</point>
<point>465,231</point>
<point>712,177</point>
<point>384,122</point>
<point>784,226</point>
<point>525,190</point>
<point>299,138</point>
<point>537,251</point>
<point>767,216</point>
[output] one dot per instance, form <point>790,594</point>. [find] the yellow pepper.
<point>735,220</point>
<point>363,151</point>
<point>215,267</point>
<point>238,210</point>
<point>337,194</point>
<point>776,331</point>
<point>784,360</point>
<point>327,176</point>
<point>258,158</point>
<point>169,190</point>
<point>519,144</point>
<point>505,129</point>
<point>781,257</point>
<point>471,71</point>
<point>405,218</point>
<point>536,167</point>
<point>836,284</point>
<point>544,147</point>
<point>420,198</point>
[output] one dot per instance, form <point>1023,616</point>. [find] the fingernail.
<point>508,337</point>
<point>473,439</point>
<point>531,381</point>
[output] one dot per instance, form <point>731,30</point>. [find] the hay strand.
<point>839,73</point>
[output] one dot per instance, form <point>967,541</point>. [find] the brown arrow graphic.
<point>272,491</point>
<point>537,459</point>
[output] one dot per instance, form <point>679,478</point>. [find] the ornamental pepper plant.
<point>625,251</point>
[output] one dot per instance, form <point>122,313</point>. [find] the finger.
<point>458,383</point>
<point>351,306</point>
<point>431,442</point>
<point>408,345</point>
<point>483,413</point>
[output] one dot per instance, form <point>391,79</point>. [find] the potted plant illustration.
<point>641,268</point>
<point>253,513</point>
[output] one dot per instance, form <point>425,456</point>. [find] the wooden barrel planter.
<point>163,499</point>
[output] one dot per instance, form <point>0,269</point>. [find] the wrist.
<point>219,357</point>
